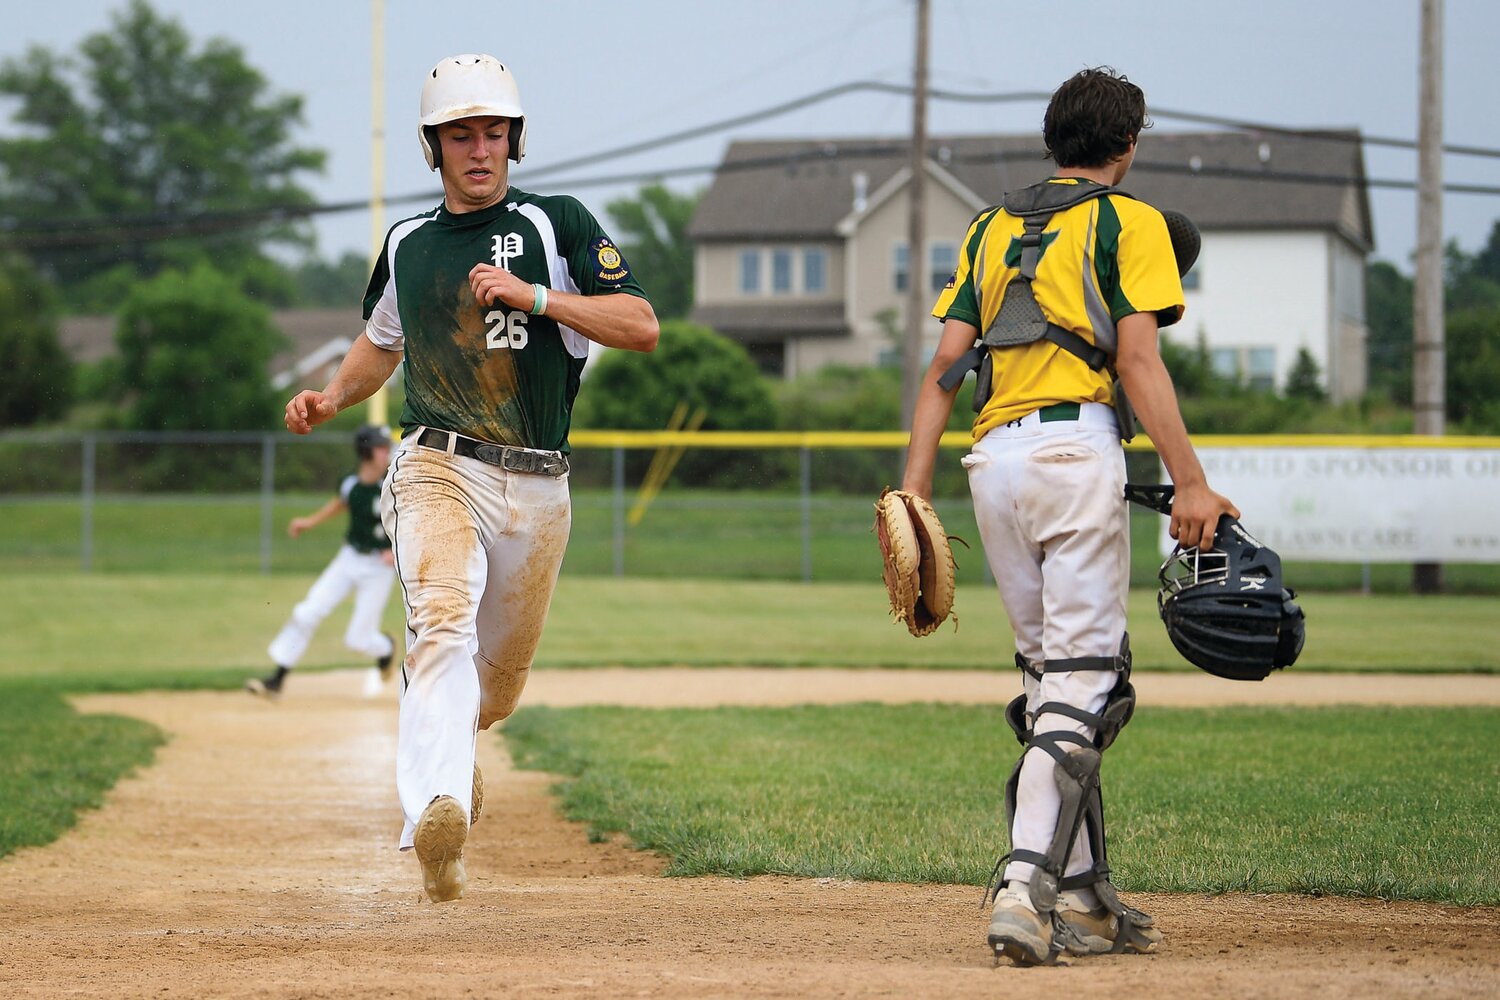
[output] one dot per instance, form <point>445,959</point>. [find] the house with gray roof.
<point>800,249</point>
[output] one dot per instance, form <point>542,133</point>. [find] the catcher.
<point>1058,291</point>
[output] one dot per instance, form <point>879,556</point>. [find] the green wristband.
<point>539,307</point>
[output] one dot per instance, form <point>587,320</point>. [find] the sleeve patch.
<point>609,266</point>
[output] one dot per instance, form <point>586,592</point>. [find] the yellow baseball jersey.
<point>1100,261</point>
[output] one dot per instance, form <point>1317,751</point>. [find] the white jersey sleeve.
<point>384,325</point>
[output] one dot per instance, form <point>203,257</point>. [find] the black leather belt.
<point>536,463</point>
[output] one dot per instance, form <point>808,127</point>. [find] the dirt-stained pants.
<point>1049,500</point>
<point>478,549</point>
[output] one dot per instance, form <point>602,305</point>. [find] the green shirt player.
<point>363,567</point>
<point>493,298</point>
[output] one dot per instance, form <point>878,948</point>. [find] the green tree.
<point>695,366</point>
<point>1388,314</point>
<point>1487,261</point>
<point>652,229</point>
<point>193,354</point>
<point>36,378</point>
<point>153,149</point>
<point>1305,381</point>
<point>332,285</point>
<point>1473,369</point>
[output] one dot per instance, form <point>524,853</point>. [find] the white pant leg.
<point>326,593</point>
<point>372,589</point>
<point>478,551</point>
<point>524,562</point>
<point>439,539</point>
<point>1066,516</point>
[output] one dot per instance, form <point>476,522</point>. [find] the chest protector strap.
<point>1020,319</point>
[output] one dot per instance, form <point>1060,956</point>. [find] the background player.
<point>1047,474</point>
<point>363,565</point>
<point>493,297</point>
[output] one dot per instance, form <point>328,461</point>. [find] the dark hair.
<point>1093,118</point>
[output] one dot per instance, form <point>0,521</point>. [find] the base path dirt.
<point>255,858</point>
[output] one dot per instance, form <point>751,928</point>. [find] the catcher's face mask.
<point>1227,611</point>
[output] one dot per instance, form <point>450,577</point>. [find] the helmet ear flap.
<point>518,138</point>
<point>431,145</point>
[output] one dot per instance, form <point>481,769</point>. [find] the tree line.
<point>141,129</point>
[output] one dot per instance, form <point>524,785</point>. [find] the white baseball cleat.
<point>439,843</point>
<point>374,683</point>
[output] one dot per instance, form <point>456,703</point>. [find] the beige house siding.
<point>872,255</point>
<point>717,273</point>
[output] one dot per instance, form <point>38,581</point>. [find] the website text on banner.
<point>1366,505</point>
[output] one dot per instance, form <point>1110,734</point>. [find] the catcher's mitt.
<point>918,562</point>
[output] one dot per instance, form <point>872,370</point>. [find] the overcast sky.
<point>596,75</point>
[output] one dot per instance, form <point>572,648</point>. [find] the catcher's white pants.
<point>364,573</point>
<point>478,551</point>
<point>1048,498</point>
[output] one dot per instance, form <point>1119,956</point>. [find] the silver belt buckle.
<point>517,460</point>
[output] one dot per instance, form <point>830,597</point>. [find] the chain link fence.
<point>133,502</point>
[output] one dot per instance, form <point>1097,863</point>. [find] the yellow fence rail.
<point>962,439</point>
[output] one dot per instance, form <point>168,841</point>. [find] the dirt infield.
<point>254,859</point>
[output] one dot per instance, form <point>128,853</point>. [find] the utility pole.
<point>377,407</point>
<point>1428,395</point>
<point>916,244</point>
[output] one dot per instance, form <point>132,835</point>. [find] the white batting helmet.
<point>468,86</point>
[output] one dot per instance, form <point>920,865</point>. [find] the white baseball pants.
<point>364,573</point>
<point>478,550</point>
<point>1048,497</point>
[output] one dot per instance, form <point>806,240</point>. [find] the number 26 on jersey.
<point>506,330</point>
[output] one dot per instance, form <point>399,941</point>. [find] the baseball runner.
<point>493,298</point>
<point>1047,473</point>
<point>363,565</point>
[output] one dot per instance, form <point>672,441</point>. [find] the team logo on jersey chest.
<point>505,246</point>
<point>611,265</point>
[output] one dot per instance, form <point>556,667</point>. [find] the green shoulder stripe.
<point>1107,259</point>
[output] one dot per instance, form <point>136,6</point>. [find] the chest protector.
<point>1020,319</point>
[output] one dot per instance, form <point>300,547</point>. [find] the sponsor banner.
<point>1364,504</point>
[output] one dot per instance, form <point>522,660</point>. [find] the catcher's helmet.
<point>1186,241</point>
<point>368,438</point>
<point>468,86</point>
<point>1227,611</point>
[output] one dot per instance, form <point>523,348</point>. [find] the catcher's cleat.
<point>1085,931</point>
<point>439,843</point>
<point>1018,932</point>
<point>476,796</point>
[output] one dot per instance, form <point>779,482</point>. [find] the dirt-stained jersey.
<point>496,374</point>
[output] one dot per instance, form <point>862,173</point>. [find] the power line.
<point>84,233</point>
<point>59,234</point>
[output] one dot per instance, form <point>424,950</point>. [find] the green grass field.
<point>55,762</point>
<point>112,630</point>
<point>1397,804</point>
<point>1266,782</point>
<point>699,533</point>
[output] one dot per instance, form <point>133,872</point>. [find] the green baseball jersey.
<point>492,373</point>
<point>365,533</point>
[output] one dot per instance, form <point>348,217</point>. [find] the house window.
<point>900,267</point>
<point>814,271</point>
<point>750,272</point>
<point>944,260</point>
<point>781,271</point>
<point>1226,362</point>
<point>1191,281</point>
<point>1253,367</point>
<point>1260,368</point>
